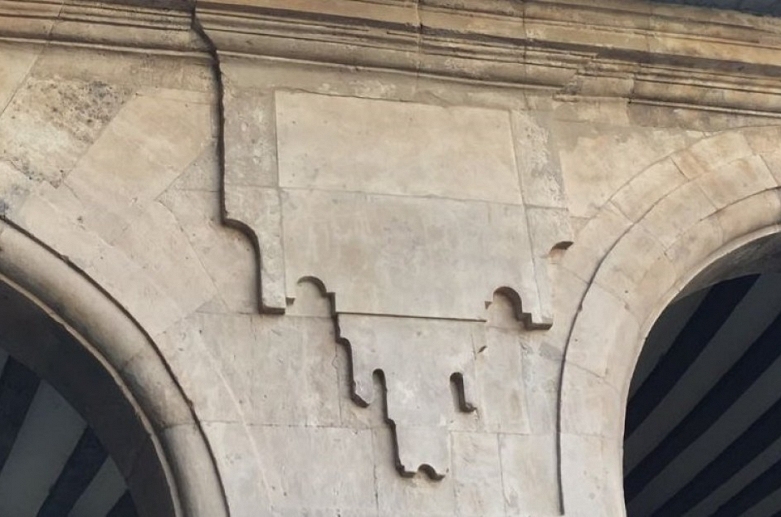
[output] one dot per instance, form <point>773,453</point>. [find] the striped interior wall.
<point>703,424</point>
<point>51,462</point>
<point>759,7</point>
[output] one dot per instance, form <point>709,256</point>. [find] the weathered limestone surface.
<point>399,264</point>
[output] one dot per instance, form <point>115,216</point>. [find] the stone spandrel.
<point>411,217</point>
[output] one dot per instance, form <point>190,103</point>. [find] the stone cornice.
<point>127,25</point>
<point>594,48</point>
<point>607,48</point>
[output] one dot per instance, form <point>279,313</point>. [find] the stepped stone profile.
<point>410,233</point>
<point>361,257</point>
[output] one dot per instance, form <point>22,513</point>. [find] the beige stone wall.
<point>663,228</point>
<point>382,293</point>
<point>404,200</point>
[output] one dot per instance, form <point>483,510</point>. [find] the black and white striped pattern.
<point>703,425</point>
<point>51,462</point>
<point>760,7</point>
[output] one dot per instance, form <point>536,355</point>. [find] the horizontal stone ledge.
<point>627,27</point>
<point>628,49</point>
<point>140,25</point>
<point>659,54</point>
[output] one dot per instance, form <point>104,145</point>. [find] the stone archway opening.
<point>72,443</point>
<point>60,324</point>
<point>703,420</point>
<point>52,462</point>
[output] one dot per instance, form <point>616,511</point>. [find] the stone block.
<point>250,137</point>
<point>660,278</point>
<point>243,476</point>
<point>551,235</point>
<point>140,375</point>
<point>638,196</point>
<point>737,180</point>
<point>139,293</point>
<point>400,177</point>
<point>354,415</point>
<point>196,360</point>
<point>324,142</point>
<point>597,110</point>
<point>773,162</point>
<point>749,214</point>
<point>423,362</point>
<point>53,216</point>
<point>203,173</point>
<point>500,374</point>
<point>49,124</point>
<point>156,243</point>
<point>226,254</point>
<point>592,476</point>
<point>594,407</point>
<point>240,75</point>
<point>712,153</point>
<point>132,70</point>
<point>138,155</point>
<point>691,251</point>
<point>628,261</point>
<point>676,212</point>
<point>568,292</point>
<point>203,490</point>
<point>419,496</point>
<point>541,180</point>
<point>598,160</point>
<point>316,470</point>
<point>17,62</point>
<point>529,474</point>
<point>603,319</point>
<point>541,380</point>
<point>594,241</point>
<point>311,300</point>
<point>294,380</point>
<point>14,187</point>
<point>471,250</point>
<point>258,212</point>
<point>477,473</point>
<point>763,140</point>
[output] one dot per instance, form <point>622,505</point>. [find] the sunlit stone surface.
<point>376,258</point>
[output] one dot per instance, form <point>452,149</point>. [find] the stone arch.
<point>667,226</point>
<point>103,359</point>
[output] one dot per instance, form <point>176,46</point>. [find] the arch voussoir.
<point>680,215</point>
<point>113,364</point>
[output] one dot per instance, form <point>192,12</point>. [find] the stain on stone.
<point>85,107</point>
<point>55,122</point>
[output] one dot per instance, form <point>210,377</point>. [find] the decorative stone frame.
<point>670,227</point>
<point>111,371</point>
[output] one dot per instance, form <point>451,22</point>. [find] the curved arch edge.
<point>110,335</point>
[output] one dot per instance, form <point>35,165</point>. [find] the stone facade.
<point>384,258</point>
